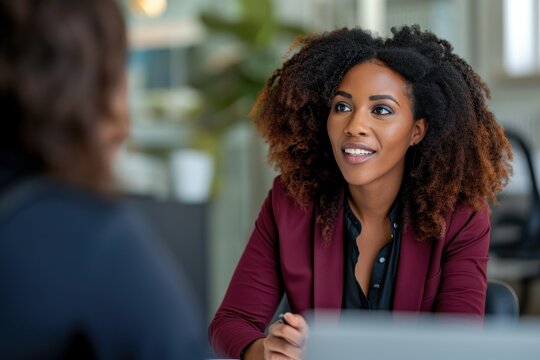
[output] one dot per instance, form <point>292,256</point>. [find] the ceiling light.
<point>150,8</point>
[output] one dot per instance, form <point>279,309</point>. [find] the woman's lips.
<point>357,153</point>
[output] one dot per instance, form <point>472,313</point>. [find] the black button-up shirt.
<point>383,274</point>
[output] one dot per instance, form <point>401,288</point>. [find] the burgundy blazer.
<point>287,253</point>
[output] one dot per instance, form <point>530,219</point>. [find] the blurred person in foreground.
<point>388,154</point>
<point>80,277</point>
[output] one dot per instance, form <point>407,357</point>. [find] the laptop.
<point>362,335</point>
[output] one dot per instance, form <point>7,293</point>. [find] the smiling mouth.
<point>357,152</point>
<point>356,155</point>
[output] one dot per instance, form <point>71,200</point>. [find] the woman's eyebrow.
<point>344,94</point>
<point>372,97</point>
<point>381,97</point>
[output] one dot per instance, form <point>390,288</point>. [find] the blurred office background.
<point>196,166</point>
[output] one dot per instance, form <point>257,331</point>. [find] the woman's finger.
<point>295,329</point>
<point>276,345</point>
<point>297,321</point>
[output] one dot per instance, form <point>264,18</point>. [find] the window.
<point>521,37</point>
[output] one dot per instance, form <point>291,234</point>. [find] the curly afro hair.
<point>464,156</point>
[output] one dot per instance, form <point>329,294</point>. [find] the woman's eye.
<point>342,107</point>
<point>382,110</point>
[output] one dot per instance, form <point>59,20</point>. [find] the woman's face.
<point>371,125</point>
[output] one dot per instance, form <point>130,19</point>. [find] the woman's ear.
<point>420,128</point>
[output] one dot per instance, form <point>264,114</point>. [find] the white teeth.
<point>358,152</point>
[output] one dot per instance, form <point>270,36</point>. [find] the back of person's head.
<point>62,86</point>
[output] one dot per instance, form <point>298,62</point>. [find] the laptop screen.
<point>381,336</point>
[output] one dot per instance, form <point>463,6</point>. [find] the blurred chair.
<point>501,300</point>
<point>515,246</point>
<point>183,228</point>
<point>527,244</point>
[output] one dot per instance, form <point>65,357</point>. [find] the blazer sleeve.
<point>463,283</point>
<point>254,291</point>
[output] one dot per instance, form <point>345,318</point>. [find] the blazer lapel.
<point>412,271</point>
<point>328,267</point>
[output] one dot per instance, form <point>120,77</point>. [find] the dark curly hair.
<point>464,156</point>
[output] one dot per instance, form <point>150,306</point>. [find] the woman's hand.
<point>286,338</point>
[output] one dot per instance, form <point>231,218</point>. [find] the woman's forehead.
<point>373,76</point>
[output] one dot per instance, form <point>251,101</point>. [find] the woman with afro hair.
<point>388,156</point>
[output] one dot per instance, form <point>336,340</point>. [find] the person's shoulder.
<point>462,211</point>
<point>277,185</point>
<point>282,198</point>
<point>104,216</point>
<point>57,207</point>
<point>286,211</point>
<point>465,216</point>
<point>76,201</point>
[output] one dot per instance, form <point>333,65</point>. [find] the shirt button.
<point>382,259</point>
<point>395,225</point>
<point>376,286</point>
<point>391,235</point>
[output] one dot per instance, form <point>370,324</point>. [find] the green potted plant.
<point>231,66</point>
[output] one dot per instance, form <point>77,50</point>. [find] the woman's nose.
<point>358,125</point>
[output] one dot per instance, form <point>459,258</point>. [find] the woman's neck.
<point>373,202</point>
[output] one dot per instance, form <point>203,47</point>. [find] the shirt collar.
<point>394,215</point>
